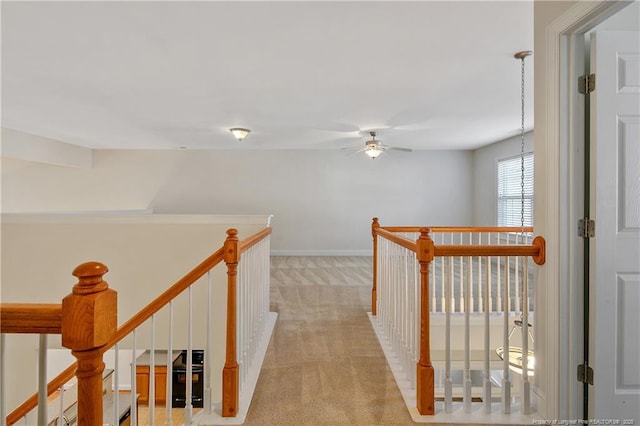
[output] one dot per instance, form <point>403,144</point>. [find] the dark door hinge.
<point>586,228</point>
<point>587,83</point>
<point>585,374</point>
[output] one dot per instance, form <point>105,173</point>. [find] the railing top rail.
<point>172,292</point>
<point>527,229</point>
<point>246,244</point>
<point>36,318</point>
<point>484,250</point>
<point>391,236</point>
<point>138,319</point>
<point>182,284</point>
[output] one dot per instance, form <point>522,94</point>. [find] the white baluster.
<point>188,409</point>
<point>442,278</point>
<point>3,383</point>
<point>480,292</point>
<point>516,291</point>
<point>116,385</point>
<point>152,373</point>
<point>506,383</point>
<point>169,404</point>
<point>470,278</point>
<point>525,398</point>
<point>240,315</point>
<point>61,406</point>
<point>42,380</point>
<point>134,393</point>
<point>489,260</point>
<point>207,365</point>
<point>416,320</point>
<point>448,386</point>
<point>498,281</point>
<point>487,342</point>
<point>462,294</point>
<point>467,339</point>
<point>433,287</point>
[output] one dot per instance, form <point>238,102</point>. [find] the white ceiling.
<point>300,75</point>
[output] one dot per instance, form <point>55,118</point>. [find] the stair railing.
<point>402,270</point>
<point>87,320</point>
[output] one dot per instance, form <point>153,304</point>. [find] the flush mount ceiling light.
<point>239,132</point>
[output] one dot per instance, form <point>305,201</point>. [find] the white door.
<point>615,206</point>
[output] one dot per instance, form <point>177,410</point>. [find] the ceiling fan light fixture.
<point>373,151</point>
<point>239,132</point>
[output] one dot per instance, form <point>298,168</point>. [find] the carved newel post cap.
<point>89,276</point>
<point>89,313</point>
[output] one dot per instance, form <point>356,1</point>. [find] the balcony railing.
<point>467,276</point>
<point>87,322</point>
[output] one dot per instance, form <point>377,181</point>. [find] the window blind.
<point>509,191</point>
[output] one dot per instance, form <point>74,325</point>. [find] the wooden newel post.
<point>374,289</point>
<point>425,377</point>
<point>89,321</point>
<point>230,376</point>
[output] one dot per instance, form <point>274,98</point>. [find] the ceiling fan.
<point>373,147</point>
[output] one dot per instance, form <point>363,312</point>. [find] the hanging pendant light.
<point>521,359</point>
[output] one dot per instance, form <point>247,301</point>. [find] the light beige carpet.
<point>324,365</point>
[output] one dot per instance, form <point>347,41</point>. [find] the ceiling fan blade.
<point>393,148</point>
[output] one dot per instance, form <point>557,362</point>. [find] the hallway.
<point>324,365</point>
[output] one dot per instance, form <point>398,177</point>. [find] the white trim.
<point>135,217</point>
<point>28,147</point>
<point>321,253</point>
<point>556,301</point>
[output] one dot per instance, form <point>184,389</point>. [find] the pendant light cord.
<point>522,55</point>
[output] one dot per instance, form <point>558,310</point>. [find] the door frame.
<point>560,391</point>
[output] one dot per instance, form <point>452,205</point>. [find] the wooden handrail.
<point>406,243</point>
<point>536,250</point>
<point>37,318</point>
<point>137,320</point>
<point>172,292</point>
<point>433,229</point>
<point>493,250</point>
<point>246,244</point>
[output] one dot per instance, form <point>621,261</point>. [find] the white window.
<point>510,191</point>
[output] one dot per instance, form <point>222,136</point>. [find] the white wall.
<point>322,201</point>
<point>485,182</point>
<point>550,176</point>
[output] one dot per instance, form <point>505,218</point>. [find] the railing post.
<point>230,376</point>
<point>89,321</point>
<point>425,376</point>
<point>374,289</point>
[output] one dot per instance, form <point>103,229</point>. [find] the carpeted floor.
<point>324,365</point>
